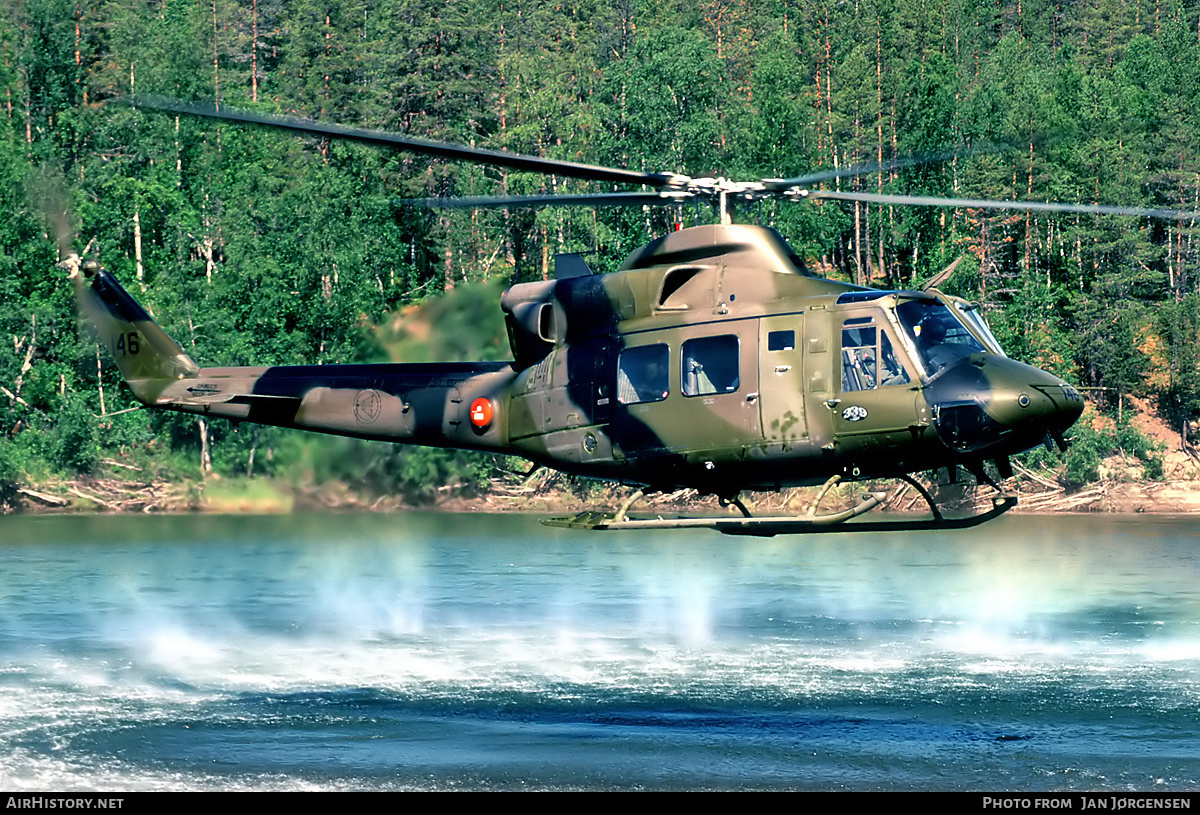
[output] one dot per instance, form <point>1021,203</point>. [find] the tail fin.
<point>148,359</point>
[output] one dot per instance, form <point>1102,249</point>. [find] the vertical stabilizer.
<point>148,359</point>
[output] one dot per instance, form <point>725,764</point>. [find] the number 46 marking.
<point>126,344</point>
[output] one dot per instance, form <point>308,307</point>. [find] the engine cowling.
<point>533,319</point>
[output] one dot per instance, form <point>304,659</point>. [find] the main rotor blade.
<point>475,155</point>
<point>870,167</point>
<point>619,199</point>
<point>1024,206</point>
<point>780,185</point>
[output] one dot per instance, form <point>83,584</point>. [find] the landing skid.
<point>787,524</point>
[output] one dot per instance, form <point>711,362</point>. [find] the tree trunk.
<point>216,62</point>
<point>254,53</point>
<point>205,454</point>
<point>253,450</point>
<point>100,381</point>
<point>137,248</point>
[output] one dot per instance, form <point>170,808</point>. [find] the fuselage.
<point>712,359</point>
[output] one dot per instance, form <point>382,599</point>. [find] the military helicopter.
<point>711,359</point>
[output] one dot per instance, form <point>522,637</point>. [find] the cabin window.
<point>710,365</point>
<point>781,341</point>
<point>868,359</point>
<point>642,374</point>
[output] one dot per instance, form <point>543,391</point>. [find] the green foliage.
<point>1087,448</point>
<point>1081,463</point>
<point>1131,442</point>
<point>11,475</point>
<point>76,441</point>
<point>1107,347</point>
<point>256,247</point>
<point>1179,327</point>
<point>420,475</point>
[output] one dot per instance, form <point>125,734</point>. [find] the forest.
<point>259,247</point>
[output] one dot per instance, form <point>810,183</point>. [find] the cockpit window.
<point>971,316</point>
<point>868,359</point>
<point>940,338</point>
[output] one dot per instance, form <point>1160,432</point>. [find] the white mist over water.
<point>401,605</point>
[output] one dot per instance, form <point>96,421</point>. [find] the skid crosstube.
<point>786,525</point>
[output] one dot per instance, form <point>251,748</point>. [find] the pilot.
<point>931,340</point>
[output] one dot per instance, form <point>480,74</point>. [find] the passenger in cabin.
<point>869,368</point>
<point>697,383</point>
<point>893,371</point>
<point>644,382</point>
<point>710,365</point>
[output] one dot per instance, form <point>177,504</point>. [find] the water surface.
<point>430,651</point>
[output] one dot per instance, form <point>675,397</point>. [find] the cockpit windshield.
<point>970,315</point>
<point>938,335</point>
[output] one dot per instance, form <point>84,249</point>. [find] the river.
<point>437,651</point>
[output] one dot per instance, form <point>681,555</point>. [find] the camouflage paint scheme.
<point>783,415</point>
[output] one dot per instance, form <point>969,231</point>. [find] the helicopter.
<point>712,359</point>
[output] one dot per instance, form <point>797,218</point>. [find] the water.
<point>422,651</point>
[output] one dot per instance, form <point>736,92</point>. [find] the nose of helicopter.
<point>990,405</point>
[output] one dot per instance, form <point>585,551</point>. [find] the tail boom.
<point>410,403</point>
<point>425,403</point>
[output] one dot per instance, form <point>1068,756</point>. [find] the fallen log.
<point>41,497</point>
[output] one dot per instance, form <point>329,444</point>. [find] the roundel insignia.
<point>481,412</point>
<point>854,413</point>
<point>367,406</point>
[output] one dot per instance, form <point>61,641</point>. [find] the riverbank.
<point>1117,492</point>
<point>1119,485</point>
